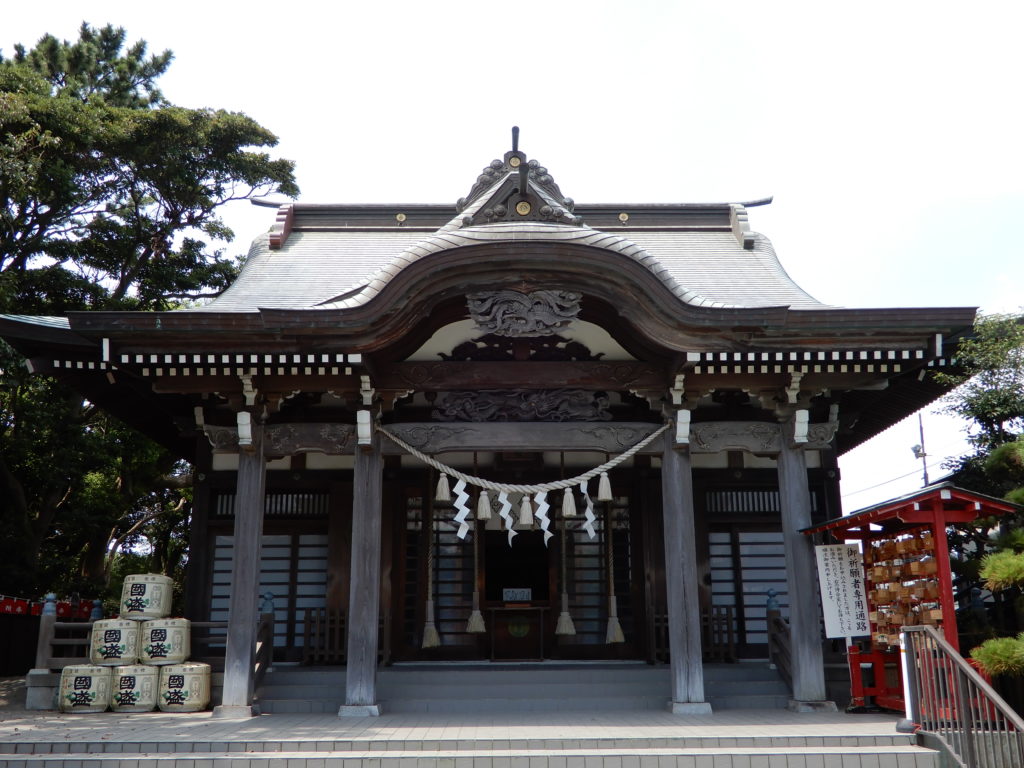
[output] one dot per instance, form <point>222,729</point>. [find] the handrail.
<point>47,642</point>
<point>947,697</point>
<point>264,648</point>
<point>780,654</point>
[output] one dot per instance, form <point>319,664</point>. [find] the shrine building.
<point>513,428</point>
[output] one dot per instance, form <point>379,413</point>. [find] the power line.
<point>891,480</point>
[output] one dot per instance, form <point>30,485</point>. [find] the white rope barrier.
<point>490,485</point>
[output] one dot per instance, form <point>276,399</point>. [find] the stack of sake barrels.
<point>139,660</point>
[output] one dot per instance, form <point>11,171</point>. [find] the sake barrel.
<point>184,687</point>
<point>134,688</point>
<point>165,641</point>
<point>84,688</point>
<point>114,642</point>
<point>146,596</point>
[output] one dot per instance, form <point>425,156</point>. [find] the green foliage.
<point>990,381</point>
<point>93,67</point>
<point>107,191</point>
<point>109,199</point>
<point>1001,655</point>
<point>1002,569</point>
<point>1013,540</point>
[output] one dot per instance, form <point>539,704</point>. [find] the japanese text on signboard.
<point>841,579</point>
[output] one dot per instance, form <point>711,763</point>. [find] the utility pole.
<point>919,451</point>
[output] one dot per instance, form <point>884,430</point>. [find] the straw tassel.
<point>568,503</point>
<point>476,619</point>
<point>483,506</point>
<point>614,634</point>
<point>475,624</point>
<point>443,493</point>
<point>604,488</point>
<point>430,637</point>
<point>565,625</point>
<point>525,512</point>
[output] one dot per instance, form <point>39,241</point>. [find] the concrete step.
<point>896,756</point>
<point>397,744</point>
<point>749,701</point>
<point>523,688</point>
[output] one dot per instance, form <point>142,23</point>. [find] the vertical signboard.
<point>841,579</point>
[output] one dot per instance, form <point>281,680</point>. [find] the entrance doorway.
<point>524,579</point>
<point>519,573</point>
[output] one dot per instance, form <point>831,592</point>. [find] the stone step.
<point>522,688</point>
<point>682,743</point>
<point>896,756</point>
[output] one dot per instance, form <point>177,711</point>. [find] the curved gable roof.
<point>325,268</point>
<point>340,257</point>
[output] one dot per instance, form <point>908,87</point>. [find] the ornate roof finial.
<point>520,189</point>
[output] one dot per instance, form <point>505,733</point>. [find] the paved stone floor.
<point>16,725</point>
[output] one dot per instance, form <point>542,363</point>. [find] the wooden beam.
<point>684,639</point>
<point>240,654</point>
<point>456,375</point>
<point>804,621</point>
<point>199,383</point>
<point>364,585</point>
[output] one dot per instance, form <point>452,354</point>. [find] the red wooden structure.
<point>907,577</point>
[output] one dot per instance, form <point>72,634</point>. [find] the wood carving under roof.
<point>516,314</point>
<point>522,436</point>
<point>291,439</point>
<point>493,347</point>
<point>523,405</point>
<point>758,437</point>
<point>751,436</point>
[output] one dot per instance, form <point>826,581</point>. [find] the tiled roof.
<point>345,267</point>
<point>40,320</point>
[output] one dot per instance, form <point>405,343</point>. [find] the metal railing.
<point>948,698</point>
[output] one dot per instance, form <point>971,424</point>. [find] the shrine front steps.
<point>692,752</point>
<point>521,688</point>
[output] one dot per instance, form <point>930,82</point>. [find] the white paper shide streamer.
<point>588,514</point>
<point>462,507</point>
<point>542,515</point>
<point>505,513</point>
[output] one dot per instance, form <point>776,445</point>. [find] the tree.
<point>109,199</point>
<point>110,194</point>
<point>989,395</point>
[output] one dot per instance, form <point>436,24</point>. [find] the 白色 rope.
<point>490,485</point>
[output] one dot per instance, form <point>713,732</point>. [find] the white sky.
<point>889,132</point>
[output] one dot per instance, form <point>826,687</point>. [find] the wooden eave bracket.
<point>682,415</point>
<point>244,421</point>
<point>682,427</point>
<point>799,424</point>
<point>364,429</point>
<point>366,390</point>
<point>248,391</point>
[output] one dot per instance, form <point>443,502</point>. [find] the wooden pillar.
<point>684,640</point>
<point>364,584</point>
<point>804,621</point>
<point>243,613</point>
<point>197,575</point>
